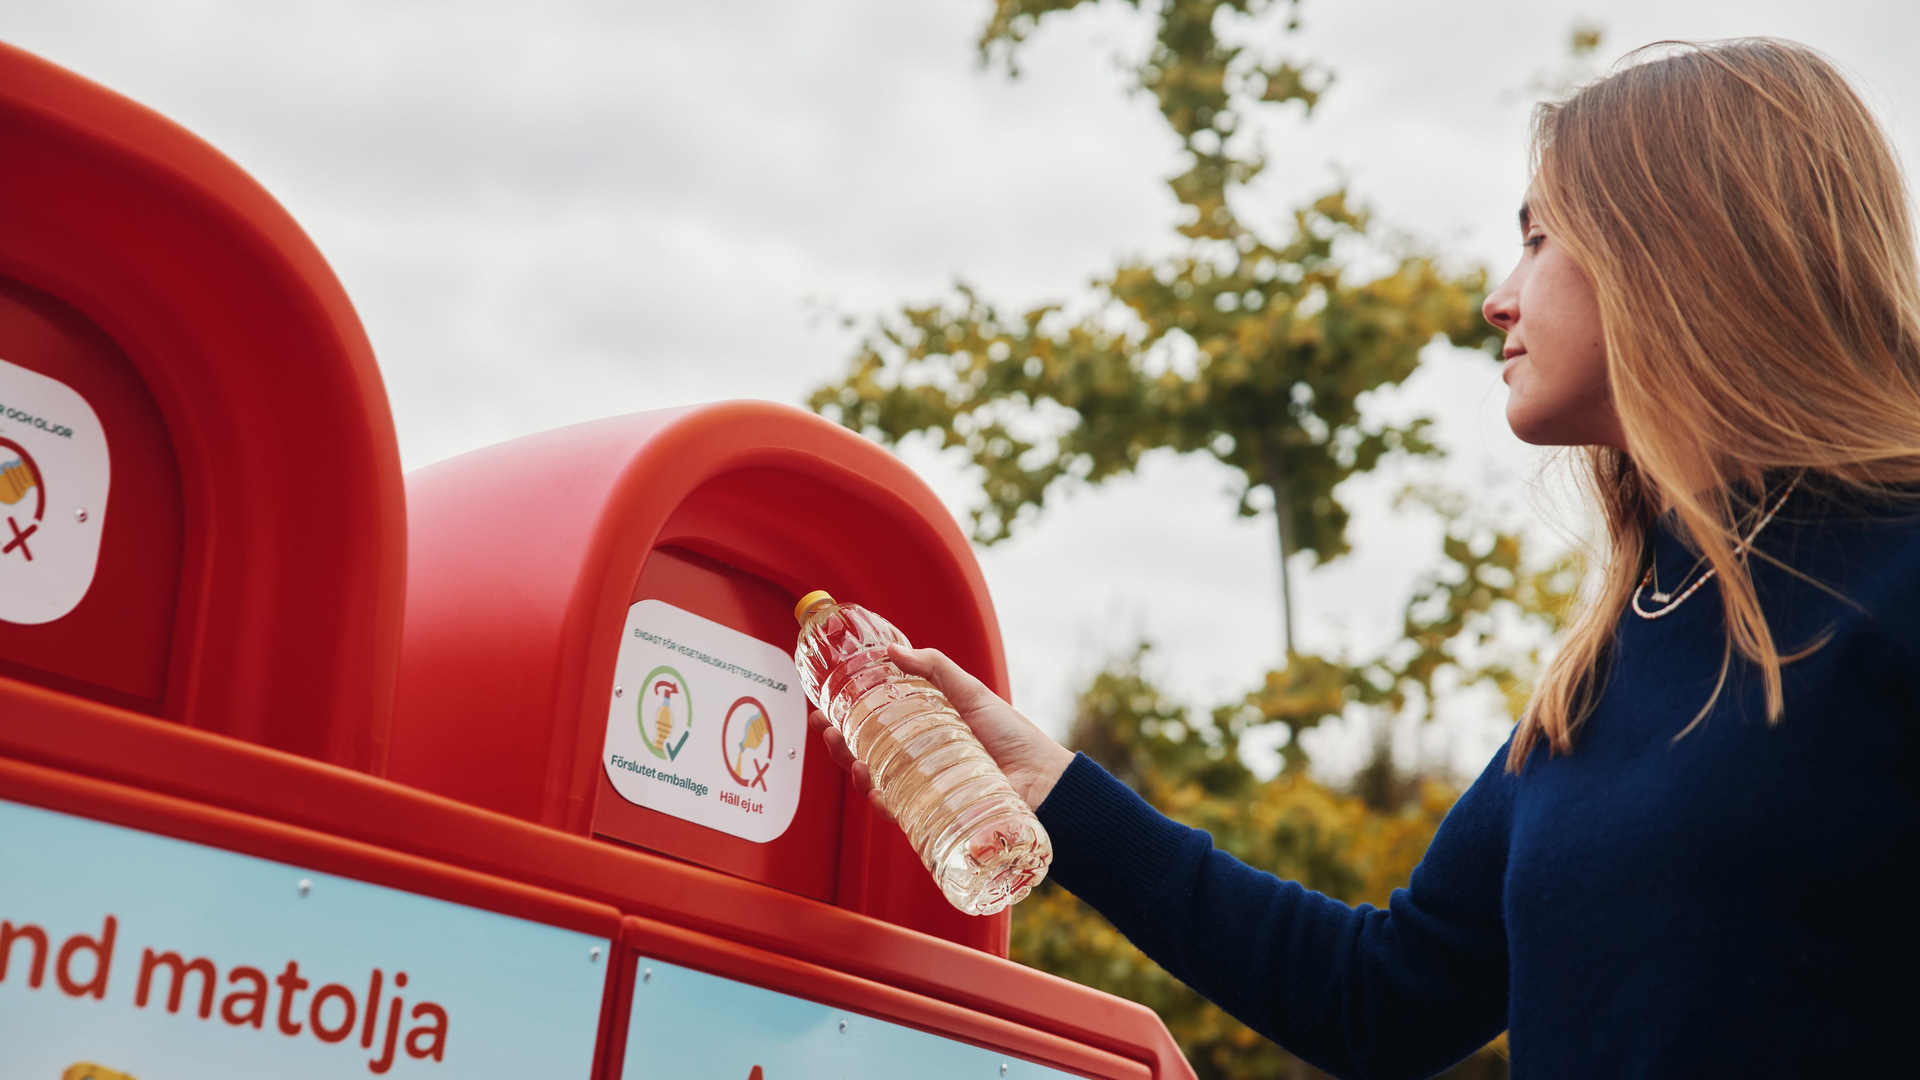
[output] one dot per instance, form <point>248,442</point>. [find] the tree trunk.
<point>1276,479</point>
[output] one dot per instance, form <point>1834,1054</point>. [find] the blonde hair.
<point>1746,229</point>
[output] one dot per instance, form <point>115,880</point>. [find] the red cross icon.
<point>20,538</point>
<point>760,774</point>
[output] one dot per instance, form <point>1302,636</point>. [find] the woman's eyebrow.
<point>1526,217</point>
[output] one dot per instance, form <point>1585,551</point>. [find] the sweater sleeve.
<point>1356,991</point>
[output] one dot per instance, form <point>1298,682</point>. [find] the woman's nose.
<point>1502,306</point>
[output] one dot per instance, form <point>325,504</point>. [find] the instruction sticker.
<point>705,723</point>
<point>53,496</point>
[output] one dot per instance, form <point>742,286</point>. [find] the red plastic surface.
<point>117,804</point>
<point>172,290</point>
<point>513,627</point>
<point>59,732</point>
<point>253,570</point>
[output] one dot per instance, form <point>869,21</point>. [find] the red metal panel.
<point>286,623</point>
<point>117,804</point>
<point>39,726</point>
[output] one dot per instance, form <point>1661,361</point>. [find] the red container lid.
<point>527,560</point>
<point>219,537</point>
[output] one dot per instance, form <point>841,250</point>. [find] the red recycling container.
<point>490,771</point>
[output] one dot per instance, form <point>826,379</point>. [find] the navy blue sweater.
<point>1730,903</point>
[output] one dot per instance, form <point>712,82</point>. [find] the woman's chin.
<point>1536,430</point>
<point>1518,421</point>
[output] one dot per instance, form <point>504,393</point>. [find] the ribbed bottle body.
<point>975,835</point>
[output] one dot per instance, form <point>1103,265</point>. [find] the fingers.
<point>836,745</point>
<point>837,748</point>
<point>961,688</point>
<point>857,771</point>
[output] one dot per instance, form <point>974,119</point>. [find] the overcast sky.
<point>556,211</point>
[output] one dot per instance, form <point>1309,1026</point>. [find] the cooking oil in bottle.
<point>978,839</point>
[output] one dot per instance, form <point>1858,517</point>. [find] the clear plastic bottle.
<point>976,836</point>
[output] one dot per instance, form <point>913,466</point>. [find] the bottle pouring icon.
<point>663,720</point>
<point>19,474</point>
<point>755,734</point>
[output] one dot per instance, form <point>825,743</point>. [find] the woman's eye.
<point>1532,243</point>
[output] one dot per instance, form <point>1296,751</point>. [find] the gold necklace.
<point>1667,601</point>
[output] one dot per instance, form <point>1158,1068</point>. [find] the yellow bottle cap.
<point>817,596</point>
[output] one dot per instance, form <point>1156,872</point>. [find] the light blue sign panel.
<point>688,1025</point>
<point>293,954</point>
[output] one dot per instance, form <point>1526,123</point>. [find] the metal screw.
<point>305,886</point>
<point>646,975</point>
<point>593,955</point>
<point>843,1025</point>
<point>791,752</point>
<point>1003,1068</point>
<point>617,691</point>
<point>80,516</point>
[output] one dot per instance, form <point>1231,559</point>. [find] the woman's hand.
<point>1031,759</point>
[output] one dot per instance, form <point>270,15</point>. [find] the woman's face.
<point>1556,370</point>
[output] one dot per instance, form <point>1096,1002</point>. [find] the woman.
<point>1680,864</point>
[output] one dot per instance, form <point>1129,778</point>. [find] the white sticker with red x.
<point>705,723</point>
<point>53,496</point>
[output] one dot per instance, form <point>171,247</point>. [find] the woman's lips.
<point>1506,370</point>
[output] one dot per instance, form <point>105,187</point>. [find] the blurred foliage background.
<point>1253,342</point>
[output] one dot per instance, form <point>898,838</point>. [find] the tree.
<point>1255,345</point>
<point>1481,616</point>
<point>1251,346</point>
